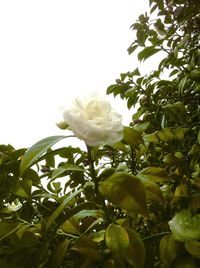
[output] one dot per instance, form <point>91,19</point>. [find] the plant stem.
<point>156,235</point>
<point>132,160</point>
<point>94,178</point>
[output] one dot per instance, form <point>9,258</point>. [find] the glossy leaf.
<point>125,191</point>
<point>37,150</point>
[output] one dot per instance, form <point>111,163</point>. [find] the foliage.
<point>109,206</point>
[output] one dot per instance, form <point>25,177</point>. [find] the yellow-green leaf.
<point>165,135</point>
<point>151,138</point>
<point>153,191</point>
<point>132,137</point>
<point>154,174</point>
<point>126,191</point>
<point>71,227</point>
<point>117,240</point>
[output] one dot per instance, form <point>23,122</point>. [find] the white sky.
<point>51,50</point>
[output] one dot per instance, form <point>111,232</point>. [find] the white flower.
<point>184,227</point>
<point>14,206</point>
<point>93,120</point>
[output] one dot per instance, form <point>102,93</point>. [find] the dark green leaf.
<point>63,169</point>
<point>61,207</point>
<point>147,52</point>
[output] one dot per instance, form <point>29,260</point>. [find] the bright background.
<point>52,50</point>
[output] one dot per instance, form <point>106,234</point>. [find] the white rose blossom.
<point>93,120</point>
<point>185,227</point>
<point>14,206</point>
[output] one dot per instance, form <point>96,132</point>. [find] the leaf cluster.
<point>110,206</point>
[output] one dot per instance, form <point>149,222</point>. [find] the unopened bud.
<point>62,125</point>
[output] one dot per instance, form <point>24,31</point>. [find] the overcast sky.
<point>51,50</point>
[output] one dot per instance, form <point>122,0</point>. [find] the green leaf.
<point>138,114</point>
<point>195,75</point>
<point>153,191</point>
<point>126,191</point>
<point>168,250</point>
<point>193,247</point>
<point>170,159</point>
<point>61,170</point>
<point>37,150</point>
<point>23,188</point>
<point>99,236</point>
<point>71,227</point>
<point>179,133</point>
<point>199,137</point>
<point>135,72</point>
<point>8,227</point>
<point>50,160</point>
<point>182,85</point>
<point>185,261</point>
<point>132,137</point>
<point>88,213</point>
<point>147,52</point>
<point>131,49</point>
<point>80,207</point>
<point>151,138</point>
<point>57,212</point>
<point>136,250</point>
<point>174,72</point>
<point>165,135</point>
<point>22,229</point>
<point>141,127</point>
<point>88,248</point>
<point>59,254</point>
<point>154,174</point>
<point>106,173</point>
<point>94,223</point>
